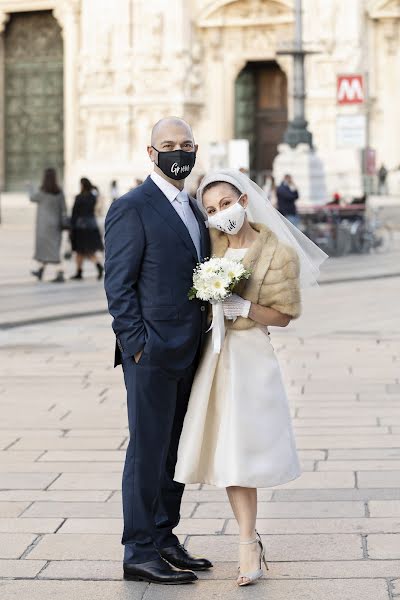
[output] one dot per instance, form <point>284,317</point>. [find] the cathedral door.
<point>33,98</point>
<point>261,113</point>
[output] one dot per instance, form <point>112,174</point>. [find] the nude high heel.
<point>252,577</point>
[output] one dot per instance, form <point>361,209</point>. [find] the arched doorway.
<point>261,113</point>
<point>33,97</point>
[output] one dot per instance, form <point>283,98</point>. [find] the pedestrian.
<point>50,215</point>
<point>270,189</point>
<point>114,190</point>
<point>382,180</point>
<point>155,236</point>
<point>287,195</point>
<point>85,234</point>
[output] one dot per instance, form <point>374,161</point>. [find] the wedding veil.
<point>260,210</point>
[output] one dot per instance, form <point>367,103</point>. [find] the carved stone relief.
<point>391,33</point>
<point>247,12</point>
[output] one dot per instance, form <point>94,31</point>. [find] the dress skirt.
<point>238,429</point>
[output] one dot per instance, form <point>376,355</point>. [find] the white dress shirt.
<point>183,209</point>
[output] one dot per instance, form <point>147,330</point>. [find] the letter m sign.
<point>350,89</point>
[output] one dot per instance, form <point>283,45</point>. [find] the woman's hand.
<point>235,306</point>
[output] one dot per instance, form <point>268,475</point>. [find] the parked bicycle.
<point>342,230</point>
<point>329,233</point>
<point>371,234</point>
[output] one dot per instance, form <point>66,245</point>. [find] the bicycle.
<point>371,234</point>
<point>330,234</point>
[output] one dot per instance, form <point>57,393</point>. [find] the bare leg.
<point>244,505</point>
<point>94,259</point>
<point>79,258</point>
<point>79,261</point>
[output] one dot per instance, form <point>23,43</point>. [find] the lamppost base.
<point>297,133</point>
<point>307,170</point>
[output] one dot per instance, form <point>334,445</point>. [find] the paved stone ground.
<point>332,534</point>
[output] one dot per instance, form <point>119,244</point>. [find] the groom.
<point>154,237</point>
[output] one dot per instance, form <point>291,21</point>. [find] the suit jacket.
<point>149,262</point>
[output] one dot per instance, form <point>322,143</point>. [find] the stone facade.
<point>129,62</point>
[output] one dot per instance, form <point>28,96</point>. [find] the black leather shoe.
<point>157,571</point>
<point>179,557</point>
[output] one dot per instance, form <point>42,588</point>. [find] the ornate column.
<point>67,14</point>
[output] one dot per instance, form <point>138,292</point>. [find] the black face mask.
<point>176,164</point>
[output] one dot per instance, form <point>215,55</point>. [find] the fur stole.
<point>274,280</point>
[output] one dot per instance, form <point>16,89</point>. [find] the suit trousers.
<point>157,404</point>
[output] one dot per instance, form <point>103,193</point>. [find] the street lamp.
<point>297,132</point>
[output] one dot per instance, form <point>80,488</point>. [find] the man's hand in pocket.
<point>138,356</point>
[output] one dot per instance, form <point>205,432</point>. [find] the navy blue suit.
<point>149,262</point>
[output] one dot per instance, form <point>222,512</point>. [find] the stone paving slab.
<point>85,510</point>
<point>13,545</point>
<point>379,479</point>
<point>21,481</point>
<point>364,454</point>
<point>81,456</point>
<point>379,508</point>
<point>20,569</point>
<point>361,465</point>
<point>384,545</point>
<point>12,509</point>
<point>21,456</point>
<point>65,590</point>
<point>74,467</point>
<point>87,481</point>
<point>283,547</point>
<point>29,525</point>
<point>55,443</point>
<point>55,495</point>
<point>337,495</point>
<point>75,546</point>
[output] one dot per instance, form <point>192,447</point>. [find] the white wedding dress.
<point>238,429</point>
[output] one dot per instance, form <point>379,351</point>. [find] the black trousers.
<point>157,403</point>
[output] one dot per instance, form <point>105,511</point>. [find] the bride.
<point>237,431</point>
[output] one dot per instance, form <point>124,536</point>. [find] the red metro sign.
<point>350,89</point>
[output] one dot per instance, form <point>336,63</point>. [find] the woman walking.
<point>237,431</point>
<point>51,210</point>
<point>85,234</point>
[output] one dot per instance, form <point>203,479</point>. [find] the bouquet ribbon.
<point>217,326</point>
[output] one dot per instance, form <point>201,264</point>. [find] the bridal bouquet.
<point>214,281</point>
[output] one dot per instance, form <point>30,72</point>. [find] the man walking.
<point>154,237</point>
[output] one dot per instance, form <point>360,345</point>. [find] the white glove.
<point>235,306</point>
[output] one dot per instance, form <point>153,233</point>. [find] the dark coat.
<point>149,262</point>
<point>85,233</point>
<point>286,199</point>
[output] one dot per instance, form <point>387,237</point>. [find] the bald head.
<point>164,128</point>
<point>170,134</point>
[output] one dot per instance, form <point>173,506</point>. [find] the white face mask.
<point>230,220</point>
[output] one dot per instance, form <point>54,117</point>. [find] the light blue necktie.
<point>190,221</point>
